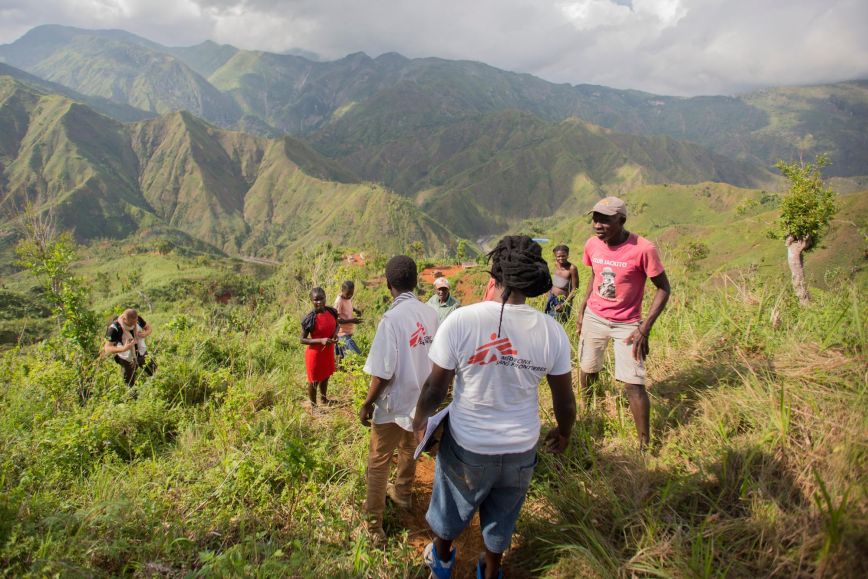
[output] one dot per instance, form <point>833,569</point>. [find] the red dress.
<point>320,359</point>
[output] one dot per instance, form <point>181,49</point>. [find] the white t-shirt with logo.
<point>495,406</point>
<point>400,353</point>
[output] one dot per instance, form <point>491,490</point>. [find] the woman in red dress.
<point>319,333</point>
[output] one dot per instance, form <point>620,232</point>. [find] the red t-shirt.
<point>619,276</point>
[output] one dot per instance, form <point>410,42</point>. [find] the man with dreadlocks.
<point>497,352</point>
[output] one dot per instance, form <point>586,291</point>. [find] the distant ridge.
<point>299,96</point>
<point>119,111</point>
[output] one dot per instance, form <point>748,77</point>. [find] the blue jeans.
<point>346,344</point>
<point>493,484</point>
<point>552,302</point>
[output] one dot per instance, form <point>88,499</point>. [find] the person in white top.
<point>497,352</point>
<point>398,365</point>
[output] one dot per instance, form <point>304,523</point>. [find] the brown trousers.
<point>385,439</point>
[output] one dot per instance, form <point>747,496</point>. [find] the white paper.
<point>433,422</point>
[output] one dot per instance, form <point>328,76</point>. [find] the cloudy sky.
<point>682,47</point>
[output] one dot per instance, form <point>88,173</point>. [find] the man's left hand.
<point>641,348</point>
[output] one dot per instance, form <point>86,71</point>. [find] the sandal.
<point>439,568</point>
<point>480,568</point>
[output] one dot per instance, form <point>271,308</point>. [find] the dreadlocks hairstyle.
<point>517,264</point>
<point>401,273</point>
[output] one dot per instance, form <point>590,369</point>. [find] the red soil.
<point>355,259</point>
<point>429,274</point>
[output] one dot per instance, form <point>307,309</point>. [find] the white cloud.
<point>667,46</point>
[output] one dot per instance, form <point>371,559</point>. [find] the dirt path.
<point>428,274</point>
<point>469,544</point>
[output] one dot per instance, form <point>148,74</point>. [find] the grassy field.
<point>758,464</point>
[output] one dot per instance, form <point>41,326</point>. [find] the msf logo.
<point>420,337</point>
<point>492,351</point>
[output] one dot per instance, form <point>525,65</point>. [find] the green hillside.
<point>62,155</point>
<point>238,193</point>
<point>732,224</point>
<point>805,121</point>
<point>120,67</point>
<point>482,174</point>
<point>109,108</point>
<point>206,57</point>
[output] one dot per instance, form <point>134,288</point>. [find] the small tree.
<point>49,256</point>
<point>696,251</point>
<point>416,250</point>
<point>806,210</point>
<point>461,251</point>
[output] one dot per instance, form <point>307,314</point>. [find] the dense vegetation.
<point>215,467</point>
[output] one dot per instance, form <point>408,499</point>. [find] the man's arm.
<point>366,412</point>
<point>110,347</point>
<point>639,337</point>
<point>146,331</point>
<point>433,393</point>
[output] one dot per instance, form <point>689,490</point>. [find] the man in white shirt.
<point>497,352</point>
<point>398,365</point>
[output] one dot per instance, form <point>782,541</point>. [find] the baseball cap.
<point>610,206</point>
<point>441,282</point>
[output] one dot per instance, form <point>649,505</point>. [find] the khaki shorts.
<point>596,333</point>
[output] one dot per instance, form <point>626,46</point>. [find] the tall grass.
<point>214,468</point>
<point>758,462</point>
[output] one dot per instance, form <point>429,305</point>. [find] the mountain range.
<point>292,94</point>
<point>272,150</point>
<point>240,193</point>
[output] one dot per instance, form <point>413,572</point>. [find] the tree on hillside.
<point>461,251</point>
<point>49,256</point>
<point>806,210</point>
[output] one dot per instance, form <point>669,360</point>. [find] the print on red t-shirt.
<point>619,276</point>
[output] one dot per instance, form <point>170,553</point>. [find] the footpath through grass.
<point>216,468</point>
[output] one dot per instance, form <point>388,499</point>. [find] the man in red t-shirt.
<point>612,308</point>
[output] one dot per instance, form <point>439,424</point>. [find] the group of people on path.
<point>494,354</point>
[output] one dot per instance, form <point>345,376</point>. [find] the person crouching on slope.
<point>125,338</point>
<point>497,351</point>
<point>319,333</point>
<point>398,365</point>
